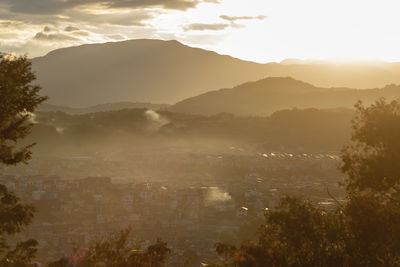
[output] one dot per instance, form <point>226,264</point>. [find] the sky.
<point>256,30</point>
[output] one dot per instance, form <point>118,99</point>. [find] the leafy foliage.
<point>365,231</point>
<point>19,98</point>
<point>297,233</point>
<point>373,184</point>
<point>370,162</point>
<point>118,250</point>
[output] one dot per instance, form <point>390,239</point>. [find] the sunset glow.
<point>256,30</point>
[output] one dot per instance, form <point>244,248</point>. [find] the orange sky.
<point>258,30</point>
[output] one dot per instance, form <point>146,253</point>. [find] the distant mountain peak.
<point>145,70</point>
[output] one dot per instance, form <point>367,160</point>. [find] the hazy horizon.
<point>289,60</point>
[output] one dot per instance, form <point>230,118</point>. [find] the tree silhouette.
<point>118,250</point>
<point>373,184</point>
<point>364,231</point>
<point>19,98</point>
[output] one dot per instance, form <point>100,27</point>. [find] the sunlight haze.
<point>255,30</point>
<point>192,133</point>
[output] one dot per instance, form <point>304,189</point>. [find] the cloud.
<point>117,37</point>
<point>6,24</point>
<point>81,33</point>
<point>39,26</point>
<point>35,6</point>
<point>204,27</point>
<point>58,6</point>
<point>71,29</point>
<point>43,36</point>
<point>8,35</point>
<point>122,18</point>
<point>222,26</point>
<point>47,29</point>
<point>33,46</point>
<point>52,34</point>
<point>11,19</point>
<point>235,18</point>
<point>170,4</point>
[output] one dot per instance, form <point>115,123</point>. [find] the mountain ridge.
<point>137,70</point>
<point>45,107</point>
<point>265,96</point>
<point>156,71</point>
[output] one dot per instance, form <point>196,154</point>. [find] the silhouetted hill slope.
<point>295,130</point>
<point>101,107</point>
<point>158,71</point>
<point>137,70</point>
<point>271,94</point>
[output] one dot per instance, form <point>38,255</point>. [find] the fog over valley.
<point>193,133</point>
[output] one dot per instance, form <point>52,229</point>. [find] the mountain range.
<point>268,95</point>
<point>158,71</point>
<point>45,107</point>
<point>137,71</point>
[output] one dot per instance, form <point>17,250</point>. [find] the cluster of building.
<point>200,201</point>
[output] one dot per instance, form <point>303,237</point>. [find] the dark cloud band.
<point>42,36</point>
<point>59,6</point>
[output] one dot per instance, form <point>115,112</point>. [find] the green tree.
<point>365,231</point>
<point>19,98</point>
